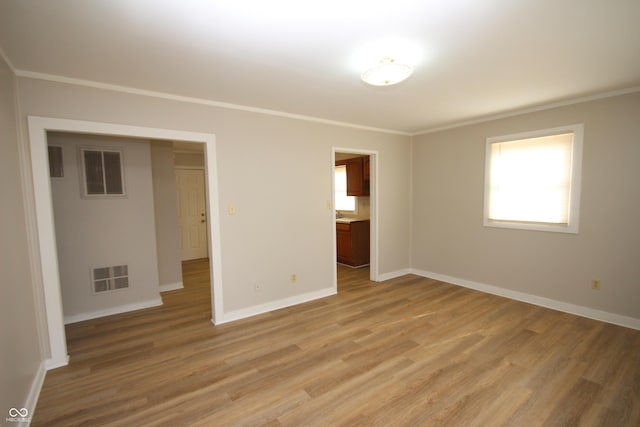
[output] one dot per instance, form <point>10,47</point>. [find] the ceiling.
<point>479,59</point>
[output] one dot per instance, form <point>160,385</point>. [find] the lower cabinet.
<point>352,241</point>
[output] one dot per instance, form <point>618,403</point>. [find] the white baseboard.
<point>274,305</point>
<point>51,363</point>
<point>171,286</point>
<point>394,274</point>
<point>32,400</point>
<point>591,313</point>
<point>113,310</point>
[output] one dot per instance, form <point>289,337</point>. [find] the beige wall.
<point>105,231</point>
<point>190,160</point>
<point>21,359</point>
<point>449,238</point>
<point>275,170</point>
<point>165,201</point>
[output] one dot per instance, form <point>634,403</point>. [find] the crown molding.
<point>521,111</point>
<point>199,101</point>
<point>4,56</point>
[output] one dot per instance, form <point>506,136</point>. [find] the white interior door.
<point>192,215</point>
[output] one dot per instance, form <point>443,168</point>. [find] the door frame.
<point>45,234</point>
<point>373,194</point>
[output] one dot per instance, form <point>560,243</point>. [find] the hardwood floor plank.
<point>405,352</point>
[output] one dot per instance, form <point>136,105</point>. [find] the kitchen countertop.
<point>350,220</point>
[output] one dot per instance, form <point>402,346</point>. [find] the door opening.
<point>349,238</point>
<point>45,230</point>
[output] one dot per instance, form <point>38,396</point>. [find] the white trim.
<point>374,179</point>
<point>230,106</point>
<point>576,176</point>
<point>394,274</point>
<point>45,228</point>
<point>199,101</point>
<point>8,61</point>
<point>112,310</point>
<point>521,111</point>
<point>578,310</point>
<point>275,305</point>
<point>53,364</point>
<point>171,286</point>
<point>34,393</point>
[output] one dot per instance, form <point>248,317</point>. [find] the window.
<point>532,180</point>
<point>102,172</point>
<point>110,278</point>
<point>56,167</point>
<point>342,201</point>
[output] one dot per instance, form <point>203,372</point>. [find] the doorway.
<point>373,207</point>
<point>45,234</point>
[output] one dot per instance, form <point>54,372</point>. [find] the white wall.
<point>105,231</point>
<point>21,358</point>
<point>449,238</point>
<point>165,202</point>
<point>278,173</point>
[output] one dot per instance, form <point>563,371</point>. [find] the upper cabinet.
<point>357,175</point>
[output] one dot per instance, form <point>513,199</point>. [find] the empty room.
<point>234,213</point>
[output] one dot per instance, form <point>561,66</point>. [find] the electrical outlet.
<point>232,209</point>
<point>294,277</point>
<point>257,287</point>
<point>595,284</point>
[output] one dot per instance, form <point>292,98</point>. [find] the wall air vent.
<point>105,279</point>
<point>56,167</point>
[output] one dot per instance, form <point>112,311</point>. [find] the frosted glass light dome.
<point>387,72</point>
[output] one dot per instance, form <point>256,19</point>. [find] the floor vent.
<point>107,279</point>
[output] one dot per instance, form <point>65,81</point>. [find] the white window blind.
<point>531,181</point>
<point>342,201</point>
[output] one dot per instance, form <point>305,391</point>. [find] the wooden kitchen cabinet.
<point>352,241</point>
<point>357,175</point>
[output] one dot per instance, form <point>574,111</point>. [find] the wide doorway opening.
<point>38,130</point>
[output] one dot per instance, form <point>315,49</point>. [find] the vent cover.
<point>107,279</point>
<point>56,167</point>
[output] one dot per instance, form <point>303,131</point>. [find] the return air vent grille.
<point>107,279</point>
<point>56,166</point>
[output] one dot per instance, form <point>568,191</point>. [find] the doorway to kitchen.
<point>355,212</point>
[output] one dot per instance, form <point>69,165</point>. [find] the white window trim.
<point>576,174</point>
<point>83,177</point>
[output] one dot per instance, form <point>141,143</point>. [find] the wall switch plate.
<point>232,209</point>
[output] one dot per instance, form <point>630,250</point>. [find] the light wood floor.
<point>407,352</point>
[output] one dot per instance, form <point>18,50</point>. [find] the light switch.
<point>232,209</point>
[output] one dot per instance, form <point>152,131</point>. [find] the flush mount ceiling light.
<point>386,72</point>
<point>386,61</point>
